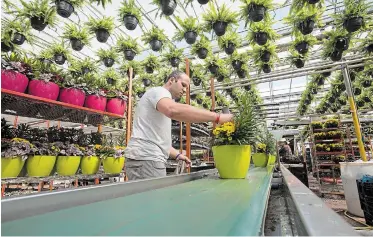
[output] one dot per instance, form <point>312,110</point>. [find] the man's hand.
<point>224,118</point>
<point>184,158</point>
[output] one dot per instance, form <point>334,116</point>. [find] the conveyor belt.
<point>207,206</point>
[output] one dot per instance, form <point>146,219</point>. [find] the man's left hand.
<point>185,158</point>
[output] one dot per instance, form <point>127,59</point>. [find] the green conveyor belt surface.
<point>209,206</point>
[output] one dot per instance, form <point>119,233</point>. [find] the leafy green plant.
<point>189,24</point>
<point>298,5</point>
<point>214,60</point>
<point>127,43</point>
<point>136,66</point>
<point>129,8</point>
<point>78,67</point>
<point>223,14</point>
<point>203,43</point>
<point>103,3</point>
<point>230,37</point>
<point>16,147</point>
<point>330,41</point>
<point>108,53</point>
<point>111,77</point>
<point>267,139</point>
<point>258,52</point>
<point>154,34</point>
<point>18,27</point>
<point>262,27</point>
<point>105,23</point>
<point>151,61</point>
<point>305,14</point>
<point>300,40</point>
<point>248,7</point>
<point>367,44</point>
<point>174,53</point>
<point>353,9</point>
<point>72,31</point>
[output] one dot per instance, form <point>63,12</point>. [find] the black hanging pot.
<point>108,62</point>
<point>247,87</point>
<point>266,68</point>
<point>321,81</point>
<point>130,22</point>
<point>149,69</point>
<point>332,99</point>
<point>367,99</point>
<point>175,62</point>
<point>156,44</point>
<point>85,70</point>
<point>110,81</point>
<point>18,38</point>
<point>102,35</point>
<point>190,37</point>
<point>219,27</point>
<point>261,38</point>
<point>341,87</point>
<point>307,101</point>
<point>313,91</point>
<point>6,48</point>
<point>326,74</point>
<point>334,109</point>
<point>353,24</point>
<point>342,102</point>
<point>146,82</point>
<point>199,101</point>
<point>342,43</point>
<point>202,53</point>
<point>202,2</point>
<point>306,26</point>
<point>241,73</point>
<point>266,56</point>
<point>352,76</point>
<point>64,8</point>
<point>38,23</point>
<point>236,64</point>
<point>357,91</point>
<point>336,55</point>
<point>220,78</point>
<point>370,48</point>
<point>140,94</point>
<point>313,1</point>
<point>168,7</point>
<point>299,63</point>
<point>367,83</point>
<point>193,96</point>
<point>256,12</point>
<point>196,81</point>
<point>129,54</point>
<point>59,58</point>
<point>208,93</point>
<point>213,68</point>
<point>360,103</point>
<point>302,47</point>
<point>230,49</point>
<point>76,44</point>
<point>358,69</point>
<point>229,90</point>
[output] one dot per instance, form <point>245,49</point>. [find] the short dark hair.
<point>176,74</point>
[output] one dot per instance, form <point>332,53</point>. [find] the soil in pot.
<point>155,44</point>
<point>266,68</point>
<point>59,59</point>
<point>76,44</point>
<point>342,43</point>
<point>175,62</point>
<point>236,65</point>
<point>130,22</point>
<point>219,28</point>
<point>108,62</point>
<point>15,81</point>
<point>18,38</point>
<point>353,24</point>
<point>168,7</point>
<point>129,54</point>
<point>203,1</point>
<point>299,63</point>
<point>38,23</point>
<point>256,12</point>
<point>190,37</point>
<point>196,81</point>
<point>306,26</point>
<point>241,74</point>
<point>202,53</point>
<point>261,38</point>
<point>102,35</point>
<point>64,8</point>
<point>6,48</point>
<point>146,82</point>
<point>336,55</point>
<point>266,56</point>
<point>213,68</point>
<point>302,47</point>
<point>149,69</point>
<point>72,96</point>
<point>230,49</point>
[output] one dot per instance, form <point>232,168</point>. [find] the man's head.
<point>177,83</point>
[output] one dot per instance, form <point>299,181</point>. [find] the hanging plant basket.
<point>357,69</point>
<point>108,62</point>
<point>130,22</point>
<point>38,23</point>
<point>261,38</point>
<point>213,68</point>
<point>202,53</point>
<point>360,103</point>
<point>219,27</point>
<point>321,81</point>
<point>241,73</point>
<point>76,44</point>
<point>202,2</point>
<point>140,94</point>
<point>149,69</point>
<point>247,87</point>
<point>156,44</point>
<point>220,78</point>
<point>341,87</point>
<point>306,26</point>
<point>342,43</point>
<point>208,93</point>
<point>266,68</point>
<point>299,63</point>
<point>352,76</point>
<point>313,1</point>
<point>302,47</point>
<point>146,82</point>
<point>353,24</point>
<point>6,48</point>
<point>64,8</point>
<point>199,101</point>
<point>370,48</point>
<point>266,56</point>
<point>332,99</point>
<point>257,12</point>
<point>193,96</point>
<point>129,54</point>
<point>325,74</point>
<point>102,35</point>
<point>59,58</point>
<point>196,81</point>
<point>367,99</point>
<point>175,62</point>
<point>367,83</point>
<point>236,64</point>
<point>190,37</point>
<point>342,102</point>
<point>230,49</point>
<point>336,55</point>
<point>168,7</point>
<point>110,81</point>
<point>85,70</point>
<point>18,38</point>
<point>357,91</point>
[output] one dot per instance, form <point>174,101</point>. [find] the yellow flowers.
<point>225,130</point>
<point>261,147</point>
<point>97,146</point>
<point>20,140</point>
<point>120,147</point>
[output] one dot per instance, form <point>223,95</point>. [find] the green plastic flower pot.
<point>232,161</point>
<point>260,159</point>
<point>11,167</point>
<point>90,165</point>
<point>271,160</point>
<point>67,165</point>
<point>40,166</point>
<point>113,165</point>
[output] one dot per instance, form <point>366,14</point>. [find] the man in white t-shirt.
<point>150,143</point>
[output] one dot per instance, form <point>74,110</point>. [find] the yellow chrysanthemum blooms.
<point>97,146</point>
<point>20,140</point>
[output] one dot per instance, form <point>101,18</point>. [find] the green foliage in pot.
<point>188,24</point>
<point>262,27</point>
<point>353,8</point>
<point>118,90</point>
<point>95,84</point>
<point>129,8</point>
<point>366,45</point>
<point>151,61</point>
<point>295,56</point>
<point>229,37</point>
<point>306,13</point>
<point>255,95</point>
<point>163,75</point>
<point>258,52</point>
<point>72,31</point>
<point>214,60</point>
<point>111,74</point>
<point>224,72</point>
<point>78,67</point>
<point>60,48</point>
<point>20,27</point>
<point>266,137</point>
<point>155,33</point>
<point>203,43</point>
<point>108,53</point>
<point>299,38</point>
<point>174,53</point>
<point>103,3</point>
<point>127,43</point>
<point>105,23</point>
<point>298,5</point>
<point>136,67</point>
<point>223,14</point>
<point>247,7</point>
<point>330,39</point>
<point>17,147</point>
<point>243,57</point>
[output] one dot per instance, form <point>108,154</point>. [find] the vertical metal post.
<point>355,117</point>
<point>129,107</point>
<point>188,129</point>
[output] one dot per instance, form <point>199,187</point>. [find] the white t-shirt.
<point>151,132</point>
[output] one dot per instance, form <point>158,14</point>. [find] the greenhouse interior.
<point>187,117</point>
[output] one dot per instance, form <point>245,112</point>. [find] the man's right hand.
<point>224,118</point>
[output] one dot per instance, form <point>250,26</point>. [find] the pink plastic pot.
<point>48,90</point>
<point>72,96</point>
<point>116,106</point>
<point>12,80</point>
<point>95,102</point>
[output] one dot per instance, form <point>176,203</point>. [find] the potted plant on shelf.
<point>69,157</point>
<point>128,46</point>
<point>101,27</point>
<point>331,123</point>
<point>167,6</point>
<point>130,15</point>
<point>302,43</point>
<point>264,148</point>
<point>238,59</point>
<point>229,42</point>
<point>108,56</point>
<point>202,48</point>
<point>66,7</point>
<point>261,32</point>
<point>42,159</point>
<point>117,100</point>
<point>305,19</point>
<point>156,38</point>
<point>174,56</point>
<point>96,92</point>
<point>150,63</point>
<point>317,125</point>
<point>335,44</point>
<point>213,63</point>
<point>73,90</point>
<point>17,32</point>
<point>90,162</point>
<point>79,37</point>
<point>354,15</point>
<point>189,30</point>
<point>60,52</point>
<point>231,143</point>
<point>219,19</point>
<point>255,10</point>
<point>14,153</point>
<point>112,158</point>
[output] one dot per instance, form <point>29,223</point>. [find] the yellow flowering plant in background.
<point>261,148</point>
